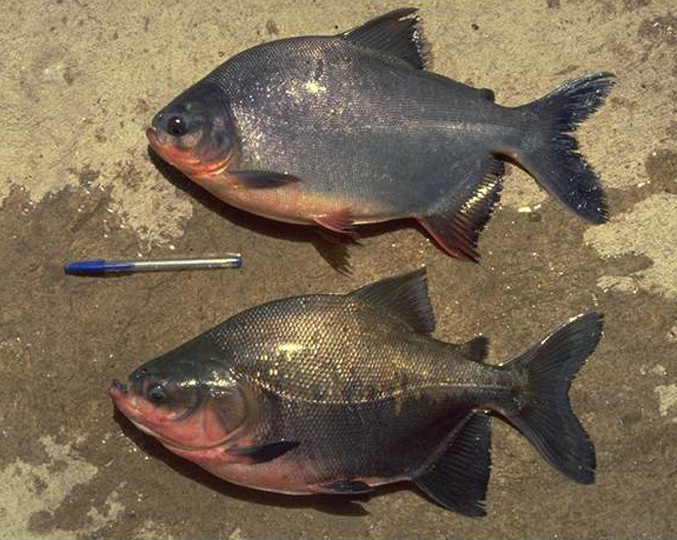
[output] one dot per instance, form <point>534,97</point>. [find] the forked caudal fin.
<point>550,154</point>
<point>541,410</point>
<point>538,406</point>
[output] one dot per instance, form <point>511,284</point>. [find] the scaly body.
<point>342,393</point>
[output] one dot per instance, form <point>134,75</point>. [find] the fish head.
<point>187,400</point>
<point>196,132</point>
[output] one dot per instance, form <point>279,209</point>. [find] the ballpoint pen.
<point>102,266</point>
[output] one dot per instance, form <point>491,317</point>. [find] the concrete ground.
<point>81,80</point>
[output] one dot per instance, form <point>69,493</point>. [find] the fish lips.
<point>158,144</point>
<point>117,390</point>
<point>122,399</point>
<point>125,403</point>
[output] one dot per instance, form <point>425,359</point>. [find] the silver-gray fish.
<point>344,130</point>
<point>341,393</point>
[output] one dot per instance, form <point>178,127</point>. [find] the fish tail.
<point>549,153</point>
<point>540,408</point>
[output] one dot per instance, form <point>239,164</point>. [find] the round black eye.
<point>157,394</point>
<point>177,126</point>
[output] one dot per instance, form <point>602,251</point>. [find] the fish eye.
<point>177,126</point>
<point>157,394</point>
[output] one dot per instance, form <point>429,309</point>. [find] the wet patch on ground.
<point>643,231</point>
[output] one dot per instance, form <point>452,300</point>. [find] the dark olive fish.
<point>342,393</point>
<point>338,131</point>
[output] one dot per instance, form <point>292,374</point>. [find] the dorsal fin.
<point>395,33</point>
<point>456,223</point>
<point>404,297</point>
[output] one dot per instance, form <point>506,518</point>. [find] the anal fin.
<point>456,221</point>
<point>458,479</point>
<point>334,251</point>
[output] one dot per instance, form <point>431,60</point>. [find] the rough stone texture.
<point>80,80</point>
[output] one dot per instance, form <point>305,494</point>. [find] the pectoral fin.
<point>345,486</point>
<point>263,179</point>
<point>264,452</point>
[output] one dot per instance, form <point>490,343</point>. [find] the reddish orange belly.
<point>289,203</point>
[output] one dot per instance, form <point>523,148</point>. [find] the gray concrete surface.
<point>81,79</point>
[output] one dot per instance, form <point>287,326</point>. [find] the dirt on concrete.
<point>81,80</point>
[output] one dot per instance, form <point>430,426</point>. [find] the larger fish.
<point>350,129</point>
<point>341,393</point>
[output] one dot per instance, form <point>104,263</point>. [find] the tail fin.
<point>542,411</point>
<point>550,155</point>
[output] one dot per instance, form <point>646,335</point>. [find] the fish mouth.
<point>117,390</point>
<point>187,159</point>
<point>153,137</point>
<point>161,146</point>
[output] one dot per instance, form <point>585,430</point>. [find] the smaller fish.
<point>342,393</point>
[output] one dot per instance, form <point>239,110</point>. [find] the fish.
<point>342,393</point>
<point>351,129</point>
